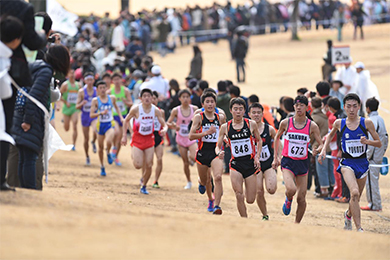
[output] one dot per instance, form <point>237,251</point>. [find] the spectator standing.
<point>239,53</point>
<point>28,127</point>
<point>375,155</point>
<point>83,45</point>
<point>365,88</point>
<point>328,68</point>
<point>358,19</point>
<point>19,67</point>
<point>118,37</point>
<point>347,75</point>
<point>196,63</point>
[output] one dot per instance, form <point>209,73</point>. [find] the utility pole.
<point>125,5</point>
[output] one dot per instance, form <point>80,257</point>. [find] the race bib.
<point>121,106</point>
<point>297,150</point>
<point>87,107</point>
<point>72,98</point>
<point>157,125</point>
<point>265,153</point>
<point>146,129</point>
<point>241,147</point>
<point>355,148</point>
<point>211,138</point>
<point>183,130</point>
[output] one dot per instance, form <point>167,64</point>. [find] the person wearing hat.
<point>297,131</point>
<point>157,83</point>
<point>365,88</point>
<point>142,141</point>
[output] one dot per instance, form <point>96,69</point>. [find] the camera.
<point>51,39</point>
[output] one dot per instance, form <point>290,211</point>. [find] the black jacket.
<point>241,48</point>
<point>33,115</point>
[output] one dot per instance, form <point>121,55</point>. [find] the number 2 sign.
<point>340,55</point>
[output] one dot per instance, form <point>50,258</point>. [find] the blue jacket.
<point>41,75</point>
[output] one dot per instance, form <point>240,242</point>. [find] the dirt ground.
<point>81,215</point>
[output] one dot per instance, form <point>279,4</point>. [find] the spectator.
<point>335,90</point>
<point>358,19</point>
<point>328,68</point>
<point>223,99</point>
<point>29,125</point>
<point>118,37</point>
<point>347,75</point>
<point>19,67</point>
<point>239,52</point>
<point>365,88</point>
<point>196,63</point>
<point>324,170</point>
<point>157,83</point>
<point>375,155</point>
<point>83,45</point>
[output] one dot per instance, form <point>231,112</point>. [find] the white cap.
<point>359,65</point>
<point>156,70</point>
<point>349,59</point>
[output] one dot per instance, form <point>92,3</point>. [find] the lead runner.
<point>295,162</point>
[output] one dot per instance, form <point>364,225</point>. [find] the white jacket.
<point>5,88</point>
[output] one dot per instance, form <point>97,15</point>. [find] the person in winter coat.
<point>196,64</point>
<point>28,127</point>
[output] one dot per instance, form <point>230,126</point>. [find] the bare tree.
<point>294,21</point>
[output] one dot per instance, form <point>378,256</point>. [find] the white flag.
<point>63,21</point>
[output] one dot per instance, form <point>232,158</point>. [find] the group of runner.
<point>256,147</point>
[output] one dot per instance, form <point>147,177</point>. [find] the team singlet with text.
<point>296,141</point>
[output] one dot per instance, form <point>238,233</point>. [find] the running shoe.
<point>113,152</point>
<point>88,162</point>
<point>347,221</point>
<point>109,158</point>
<point>103,172</point>
<point>202,189</point>
<point>93,147</point>
<point>144,191</point>
<point>342,200</point>
<point>117,162</point>
<point>287,207</point>
<point>360,230</point>
<point>265,218</point>
<point>155,185</point>
<point>188,186</point>
<point>73,148</point>
<point>210,208</point>
<point>217,210</point>
<point>369,208</point>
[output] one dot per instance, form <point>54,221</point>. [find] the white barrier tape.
<point>290,25</point>
<point>370,165</point>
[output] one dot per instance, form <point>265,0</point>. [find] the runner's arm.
<point>128,101</point>
<point>282,129</point>
<point>133,113</point>
<point>64,89</point>
<point>160,117</point>
<point>259,141</point>
<point>371,129</point>
<point>80,99</point>
<point>222,133</point>
<point>94,107</point>
<point>196,122</point>
<point>170,123</point>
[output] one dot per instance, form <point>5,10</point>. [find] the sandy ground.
<point>80,215</point>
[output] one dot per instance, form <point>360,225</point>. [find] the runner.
<point>102,108</point>
<point>205,128</point>
<point>295,162</point>
<point>354,164</point>
<point>183,115</point>
<point>267,173</point>
<point>69,92</point>
<point>143,137</point>
<point>84,99</point>
<point>158,142</point>
<point>124,101</point>
<point>245,162</point>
